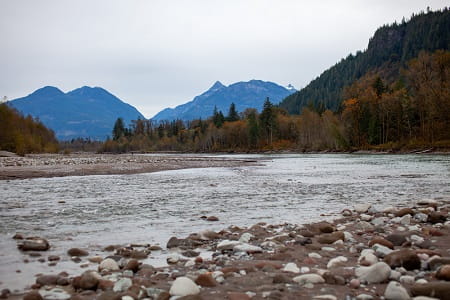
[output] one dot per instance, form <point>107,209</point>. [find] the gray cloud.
<point>159,53</point>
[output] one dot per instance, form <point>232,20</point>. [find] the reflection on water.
<point>149,208</point>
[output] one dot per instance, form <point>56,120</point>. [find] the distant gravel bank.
<point>57,165</point>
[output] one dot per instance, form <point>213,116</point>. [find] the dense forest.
<point>378,113</point>
<point>24,135</point>
<point>391,47</point>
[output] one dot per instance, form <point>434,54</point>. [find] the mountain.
<point>244,95</point>
<point>87,112</point>
<point>390,48</point>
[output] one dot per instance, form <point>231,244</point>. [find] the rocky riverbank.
<point>369,253</point>
<point>57,165</point>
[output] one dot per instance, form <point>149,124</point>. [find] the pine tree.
<point>119,129</point>
<point>232,114</point>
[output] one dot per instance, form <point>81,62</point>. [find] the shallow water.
<point>149,208</point>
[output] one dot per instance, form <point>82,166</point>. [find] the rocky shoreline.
<point>58,165</point>
<point>369,253</point>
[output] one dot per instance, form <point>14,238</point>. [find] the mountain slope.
<point>85,112</point>
<point>391,45</point>
<point>244,95</point>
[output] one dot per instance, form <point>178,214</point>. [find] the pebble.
<point>354,283</point>
<point>35,244</point>
<point>206,280</point>
<point>395,291</point>
<point>291,267</point>
<point>443,273</point>
<point>227,245</point>
<point>247,248</point>
<point>108,264</point>
<point>376,273</point>
<point>77,252</point>
<point>246,237</point>
<point>183,286</point>
<point>314,255</point>
<point>364,297</point>
<point>337,262</point>
<point>362,208</point>
<point>173,258</point>
<point>325,297</point>
<point>407,279</point>
<point>381,251</point>
<point>308,278</point>
<point>122,285</point>
<point>55,294</point>
<point>89,280</point>
<point>403,258</point>
<point>33,295</point>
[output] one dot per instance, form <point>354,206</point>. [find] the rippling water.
<point>102,210</point>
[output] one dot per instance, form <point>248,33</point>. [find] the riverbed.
<point>95,211</point>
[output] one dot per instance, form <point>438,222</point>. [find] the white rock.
<point>380,250</point>
<point>291,267</point>
<point>414,228</point>
<point>338,242</point>
<point>308,278</point>
<point>326,297</point>
<point>348,237</point>
<point>424,298</point>
<point>407,279</point>
<point>362,208</point>
<point>364,297</point>
<point>395,275</point>
<point>365,217</point>
<point>337,262</point>
<point>108,264</point>
<point>405,220</point>
<point>389,210</point>
<point>247,248</point>
<point>227,245</point>
<point>122,285</point>
<point>421,281</point>
<point>329,249</point>
<point>304,270</point>
<point>421,217</point>
<point>189,263</point>
<point>376,273</point>
<point>401,228</point>
<point>368,257</point>
<point>269,245</point>
<point>314,255</point>
<point>173,258</point>
<point>207,235</point>
<point>127,298</point>
<point>417,239</point>
<point>379,221</point>
<point>395,291</point>
<point>54,294</point>
<point>246,237</point>
<point>363,226</point>
<point>183,286</point>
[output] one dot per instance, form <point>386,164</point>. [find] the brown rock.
<point>281,278</point>
<point>238,296</point>
<point>47,280</point>
<point>190,253</point>
<point>322,227</point>
<point>163,296</point>
<point>404,211</point>
<point>109,295</point>
<point>212,219</point>
<point>77,252</point>
<point>63,281</point>
<point>330,238</point>
<point>198,260</point>
<point>138,254</point>
<point>439,290</point>
<point>435,217</point>
<point>176,242</point>
<point>155,248</point>
<point>34,244</point>
<point>110,248</point>
<point>206,280</point>
<point>443,273</point>
<point>397,239</point>
<point>436,262</point>
<point>33,295</point>
<point>381,241</point>
<point>53,258</point>
<point>89,281</point>
<point>18,236</point>
<point>333,279</point>
<point>133,265</point>
<point>306,233</point>
<point>403,258</point>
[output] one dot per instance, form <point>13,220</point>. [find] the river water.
<point>150,208</point>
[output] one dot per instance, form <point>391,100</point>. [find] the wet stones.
<point>77,252</point>
<point>34,244</point>
<point>175,242</point>
<point>405,258</point>
<point>89,280</point>
<point>362,208</point>
<point>33,295</point>
<point>133,265</point>
<point>47,280</point>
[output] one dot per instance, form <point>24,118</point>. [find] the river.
<point>150,208</point>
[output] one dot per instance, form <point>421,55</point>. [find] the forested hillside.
<point>388,51</point>
<point>23,135</point>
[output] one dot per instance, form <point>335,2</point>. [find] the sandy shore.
<point>369,253</point>
<point>57,165</point>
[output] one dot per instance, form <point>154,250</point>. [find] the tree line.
<point>22,135</point>
<point>379,112</point>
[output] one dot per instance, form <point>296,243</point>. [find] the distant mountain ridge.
<point>244,95</point>
<point>86,112</point>
<point>391,45</point>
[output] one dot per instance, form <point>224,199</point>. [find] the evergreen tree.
<point>218,118</point>
<point>232,114</point>
<point>252,125</point>
<point>119,129</point>
<point>267,118</point>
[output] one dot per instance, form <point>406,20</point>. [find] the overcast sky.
<point>161,53</point>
